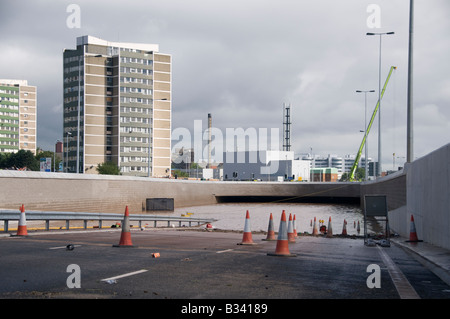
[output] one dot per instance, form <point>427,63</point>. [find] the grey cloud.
<point>241,60</point>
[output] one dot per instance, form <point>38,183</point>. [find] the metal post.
<point>366,136</point>
<point>67,150</point>
<point>366,151</point>
<point>379,102</point>
<point>409,125</point>
<point>379,114</point>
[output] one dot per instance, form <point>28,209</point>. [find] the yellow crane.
<point>358,155</point>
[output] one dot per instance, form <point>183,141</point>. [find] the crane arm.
<point>358,155</point>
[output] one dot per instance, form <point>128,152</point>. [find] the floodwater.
<point>232,216</point>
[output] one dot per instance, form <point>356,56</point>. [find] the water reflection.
<point>231,216</point>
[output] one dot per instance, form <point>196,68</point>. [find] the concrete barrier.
<point>428,197</point>
<point>109,194</point>
<point>421,189</point>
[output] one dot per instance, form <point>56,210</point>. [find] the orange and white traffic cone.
<point>125,237</point>
<point>294,223</point>
<point>315,232</point>
<point>247,237</point>
<point>270,230</point>
<point>22,228</point>
<point>344,228</point>
<point>412,232</point>
<point>282,248</point>
<point>290,231</point>
<point>329,230</point>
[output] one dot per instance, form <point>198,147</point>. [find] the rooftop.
<point>88,39</point>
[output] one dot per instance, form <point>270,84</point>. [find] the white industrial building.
<point>343,164</point>
<point>264,166</point>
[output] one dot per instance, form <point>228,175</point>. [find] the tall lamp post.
<point>409,133</point>
<point>54,156</point>
<point>67,151</point>
<point>366,152</point>
<point>379,99</point>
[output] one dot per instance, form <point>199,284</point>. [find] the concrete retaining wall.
<point>393,186</point>
<point>421,189</point>
<point>110,194</point>
<point>428,197</point>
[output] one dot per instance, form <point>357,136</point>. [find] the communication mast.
<point>286,127</point>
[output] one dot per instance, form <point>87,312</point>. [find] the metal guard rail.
<point>7,215</point>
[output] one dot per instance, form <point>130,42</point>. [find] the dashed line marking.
<point>224,251</point>
<point>61,247</point>
<point>125,275</point>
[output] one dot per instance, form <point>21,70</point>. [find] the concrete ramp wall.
<point>421,189</point>
<point>110,194</point>
<point>428,197</point>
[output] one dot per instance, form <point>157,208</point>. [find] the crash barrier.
<point>47,216</point>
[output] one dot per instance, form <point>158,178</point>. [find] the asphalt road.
<point>201,265</point>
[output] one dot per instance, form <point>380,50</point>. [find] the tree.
<point>4,160</point>
<point>359,175</point>
<point>22,159</point>
<point>108,168</point>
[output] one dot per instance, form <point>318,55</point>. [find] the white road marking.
<point>403,286</point>
<point>125,275</point>
<point>224,251</point>
<point>61,247</point>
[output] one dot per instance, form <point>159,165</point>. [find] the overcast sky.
<point>241,60</point>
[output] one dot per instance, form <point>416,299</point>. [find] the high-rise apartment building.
<point>117,107</point>
<point>17,116</point>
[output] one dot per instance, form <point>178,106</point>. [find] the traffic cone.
<point>282,248</point>
<point>344,228</point>
<point>270,230</point>
<point>247,237</point>
<point>294,223</point>
<point>22,228</point>
<point>412,232</point>
<point>125,237</point>
<point>330,230</point>
<point>290,232</point>
<point>315,231</point>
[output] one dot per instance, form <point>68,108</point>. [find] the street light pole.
<point>67,150</point>
<point>366,152</point>
<point>54,156</point>
<point>409,124</point>
<point>379,100</point>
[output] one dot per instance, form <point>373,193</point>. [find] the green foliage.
<point>359,175</point>
<point>19,160</point>
<point>179,173</point>
<point>26,159</point>
<point>108,168</point>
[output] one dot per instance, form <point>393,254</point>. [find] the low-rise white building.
<point>264,166</point>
